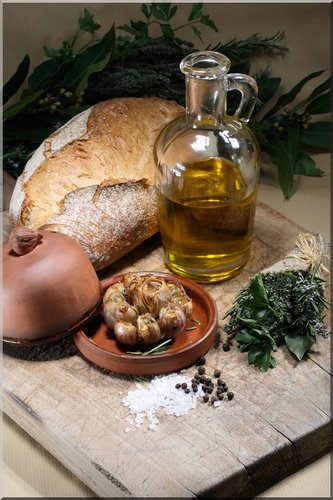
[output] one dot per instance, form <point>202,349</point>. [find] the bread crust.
<point>93,179</point>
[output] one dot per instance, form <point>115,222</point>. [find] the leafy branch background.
<point>141,56</point>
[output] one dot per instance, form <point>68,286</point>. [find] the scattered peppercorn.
<point>201,370</point>
<point>195,388</point>
<point>208,381</point>
<point>217,373</point>
<point>220,396</point>
<point>201,361</point>
<point>230,395</point>
<point>184,385</point>
<point>177,386</point>
<point>226,346</point>
<point>219,381</point>
<point>205,398</point>
<point>197,376</point>
<point>187,390</point>
<point>202,380</point>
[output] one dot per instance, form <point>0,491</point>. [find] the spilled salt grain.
<point>160,394</point>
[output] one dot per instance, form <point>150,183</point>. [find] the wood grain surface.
<point>276,422</point>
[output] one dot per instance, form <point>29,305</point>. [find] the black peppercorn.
<point>184,385</point>
<point>177,386</point>
<point>187,391</point>
<point>226,346</point>
<point>194,388</point>
<point>205,398</point>
<point>208,381</point>
<point>201,361</point>
<point>210,390</point>
<point>219,381</point>
<point>217,373</point>
<point>220,396</point>
<point>230,395</point>
<point>197,376</point>
<point>202,379</point>
<point>201,370</point>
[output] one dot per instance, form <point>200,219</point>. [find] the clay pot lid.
<point>50,288</point>
<point>98,344</point>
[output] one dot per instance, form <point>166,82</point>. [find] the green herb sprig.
<point>129,61</point>
<point>158,349</point>
<point>277,308</point>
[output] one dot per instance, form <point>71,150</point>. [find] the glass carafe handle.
<point>247,86</point>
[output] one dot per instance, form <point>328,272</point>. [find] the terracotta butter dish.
<point>50,288</point>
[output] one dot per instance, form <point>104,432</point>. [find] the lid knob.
<point>23,240</point>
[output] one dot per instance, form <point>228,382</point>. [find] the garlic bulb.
<point>171,321</point>
<point>149,332</point>
<point>126,333</point>
<point>152,295</point>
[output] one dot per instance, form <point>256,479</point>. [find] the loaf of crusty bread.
<point>93,179</point>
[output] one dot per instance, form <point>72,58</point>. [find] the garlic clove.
<point>149,332</point>
<point>126,333</point>
<point>171,321</point>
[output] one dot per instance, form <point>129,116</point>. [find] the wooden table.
<point>277,421</point>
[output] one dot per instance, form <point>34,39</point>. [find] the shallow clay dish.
<point>98,344</point>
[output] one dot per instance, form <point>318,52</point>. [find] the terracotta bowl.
<point>98,344</point>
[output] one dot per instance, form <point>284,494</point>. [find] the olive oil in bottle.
<point>207,166</point>
<point>206,227</point>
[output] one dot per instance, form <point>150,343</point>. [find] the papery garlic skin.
<point>115,293</point>
<point>181,299</point>
<point>126,333</point>
<point>119,311</point>
<point>171,321</point>
<point>149,332</point>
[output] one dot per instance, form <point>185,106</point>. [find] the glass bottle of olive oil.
<point>207,172</point>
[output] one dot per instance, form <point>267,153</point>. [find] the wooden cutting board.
<point>276,422</point>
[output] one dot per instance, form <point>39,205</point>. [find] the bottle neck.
<point>205,101</point>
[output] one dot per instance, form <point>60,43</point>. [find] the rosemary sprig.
<point>163,346</point>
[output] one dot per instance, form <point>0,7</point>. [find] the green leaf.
<point>87,22</point>
<point>195,13</point>
<point>93,68</point>
<point>145,10</point>
<point>290,96</point>
<point>261,357</point>
<point>88,58</point>
<point>21,104</point>
<point>167,30</point>
<point>318,134</point>
<point>285,163</point>
<point>297,343</point>
<point>320,105</point>
<point>42,76</point>
<point>206,20</point>
<point>14,83</point>
<point>258,291</point>
<point>197,32</point>
<point>307,166</point>
<point>72,110</point>
<point>326,85</point>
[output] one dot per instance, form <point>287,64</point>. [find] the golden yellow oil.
<point>206,226</point>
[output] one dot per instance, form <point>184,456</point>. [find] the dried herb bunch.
<point>128,61</point>
<point>274,309</point>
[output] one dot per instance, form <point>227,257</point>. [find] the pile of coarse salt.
<point>159,394</point>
